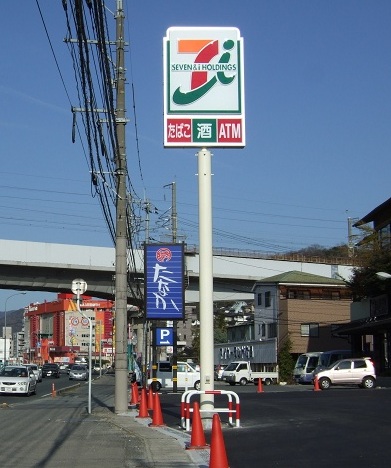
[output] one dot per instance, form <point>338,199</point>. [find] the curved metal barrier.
<point>186,408</point>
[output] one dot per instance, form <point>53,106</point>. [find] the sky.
<point>318,114</point>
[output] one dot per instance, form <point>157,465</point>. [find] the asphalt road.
<point>298,427</point>
<point>44,388</point>
<point>290,426</point>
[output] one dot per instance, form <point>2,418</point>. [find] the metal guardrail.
<point>186,408</point>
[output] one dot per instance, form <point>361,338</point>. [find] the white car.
<point>37,371</point>
<point>17,380</point>
<point>355,371</point>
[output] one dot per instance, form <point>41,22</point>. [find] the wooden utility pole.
<point>121,348</point>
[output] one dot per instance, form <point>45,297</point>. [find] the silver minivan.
<point>187,376</point>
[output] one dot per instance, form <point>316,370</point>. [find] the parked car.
<point>78,372</point>
<point>355,371</point>
<point>18,379</point>
<point>51,370</point>
<point>37,371</point>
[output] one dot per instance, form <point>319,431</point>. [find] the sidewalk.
<point>161,447</point>
<point>56,431</point>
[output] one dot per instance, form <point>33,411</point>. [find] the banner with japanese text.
<point>164,281</point>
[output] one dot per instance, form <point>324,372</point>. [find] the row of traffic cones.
<point>218,456</point>
<point>151,401</point>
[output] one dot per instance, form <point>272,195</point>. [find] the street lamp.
<point>5,323</point>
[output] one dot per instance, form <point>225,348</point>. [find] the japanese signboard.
<point>203,87</point>
<point>164,275</point>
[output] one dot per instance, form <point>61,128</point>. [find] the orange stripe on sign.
<point>186,46</point>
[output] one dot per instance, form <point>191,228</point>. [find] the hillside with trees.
<point>14,320</point>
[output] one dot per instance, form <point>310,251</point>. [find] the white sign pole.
<point>206,283</point>
<point>203,80</point>
<point>79,287</point>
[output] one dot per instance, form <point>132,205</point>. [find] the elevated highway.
<point>38,266</point>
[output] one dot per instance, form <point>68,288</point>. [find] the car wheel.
<point>197,386</point>
<point>156,386</point>
<point>268,381</point>
<point>243,381</point>
<point>232,383</point>
<point>368,382</point>
<point>324,383</point>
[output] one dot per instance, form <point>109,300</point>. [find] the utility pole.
<point>350,239</point>
<point>174,231</point>
<point>121,363</point>
<point>174,216</point>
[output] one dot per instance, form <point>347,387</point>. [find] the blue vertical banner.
<point>164,281</point>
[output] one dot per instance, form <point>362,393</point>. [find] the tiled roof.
<point>299,277</point>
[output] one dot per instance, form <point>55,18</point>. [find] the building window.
<point>304,294</point>
<point>299,294</point>
<point>335,295</point>
<point>309,329</point>
<point>385,235</point>
<point>267,299</point>
<point>272,330</point>
<point>259,299</point>
<point>292,294</point>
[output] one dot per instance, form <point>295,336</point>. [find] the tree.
<point>364,281</point>
<point>316,250</point>
<point>285,361</point>
<point>220,329</point>
<point>196,341</point>
<point>219,336</point>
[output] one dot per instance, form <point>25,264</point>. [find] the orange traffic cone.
<point>316,384</point>
<point>197,431</point>
<point>143,411</point>
<point>260,387</point>
<point>218,456</point>
<point>150,398</point>
<point>157,418</point>
<point>133,394</point>
<point>54,393</point>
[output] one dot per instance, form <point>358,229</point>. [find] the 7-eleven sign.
<point>203,87</point>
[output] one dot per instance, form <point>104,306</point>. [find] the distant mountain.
<point>14,320</point>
